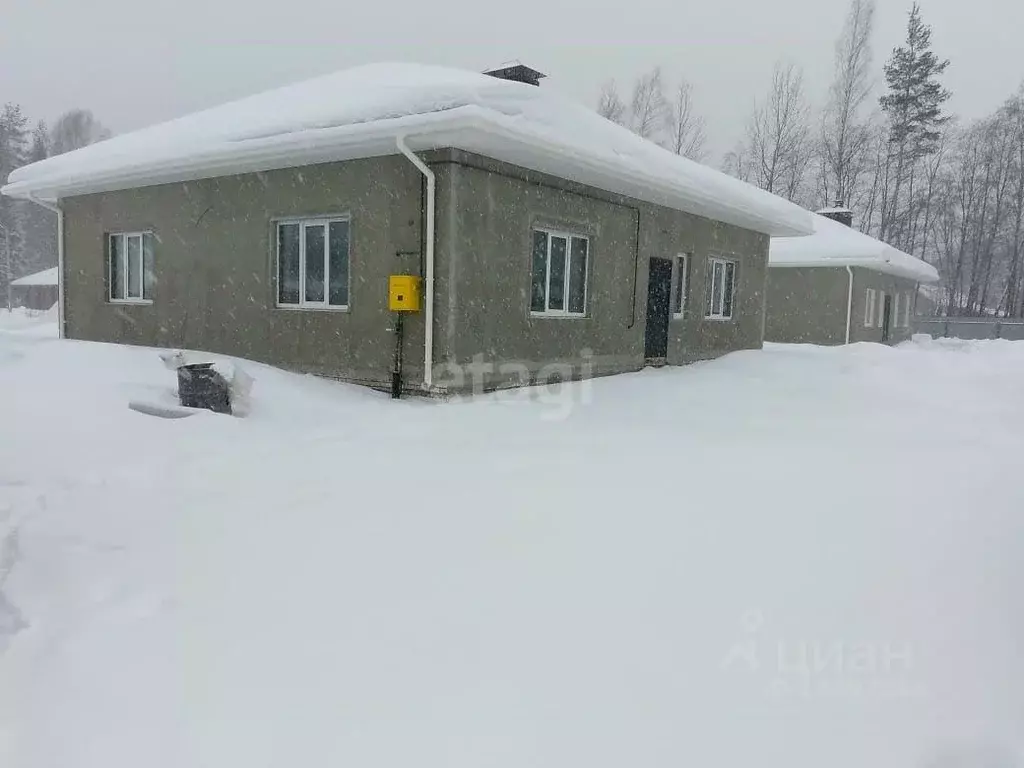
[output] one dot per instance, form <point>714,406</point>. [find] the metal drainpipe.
<point>849,302</point>
<point>428,278</point>
<point>60,259</point>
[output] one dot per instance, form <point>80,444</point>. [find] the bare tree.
<point>845,132</point>
<point>776,152</point>
<point>609,105</point>
<point>687,130</point>
<point>74,130</point>
<point>649,108</point>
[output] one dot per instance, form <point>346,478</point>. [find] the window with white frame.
<point>130,267</point>
<point>896,311</point>
<point>869,308</point>
<point>313,263</point>
<point>719,289</point>
<point>681,288</point>
<point>881,309</point>
<point>559,273</point>
<point>906,310</point>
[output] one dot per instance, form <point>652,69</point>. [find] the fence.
<point>970,328</point>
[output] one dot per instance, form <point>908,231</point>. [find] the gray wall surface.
<point>808,305</point>
<point>215,289</point>
<point>486,212</point>
<point>863,279</point>
<point>215,266</point>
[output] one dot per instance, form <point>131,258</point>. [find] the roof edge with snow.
<point>835,245</point>
<point>45,277</point>
<point>367,108</point>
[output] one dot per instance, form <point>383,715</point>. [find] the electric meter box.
<point>404,293</point>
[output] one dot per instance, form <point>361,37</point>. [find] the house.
<point>840,286</point>
<point>38,291</point>
<point>549,241</point>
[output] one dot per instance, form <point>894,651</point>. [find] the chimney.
<point>838,212</point>
<point>517,73</point>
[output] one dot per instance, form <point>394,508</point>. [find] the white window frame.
<point>906,311</point>
<point>569,236</point>
<point>681,285</point>
<point>312,221</point>
<point>720,316</point>
<point>141,298</point>
<point>881,310</point>
<point>869,308</point>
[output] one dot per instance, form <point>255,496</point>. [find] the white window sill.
<point>556,316</point>
<point>130,302</point>
<point>311,308</point>
<point>718,319</point>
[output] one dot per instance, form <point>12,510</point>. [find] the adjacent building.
<point>546,238</point>
<point>840,286</point>
<point>36,291</point>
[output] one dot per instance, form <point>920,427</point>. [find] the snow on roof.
<point>360,112</point>
<point>836,245</point>
<point>46,277</point>
<point>834,209</point>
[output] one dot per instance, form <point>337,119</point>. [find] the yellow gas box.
<point>404,293</point>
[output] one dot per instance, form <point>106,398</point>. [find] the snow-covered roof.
<point>836,245</point>
<point>46,277</point>
<point>834,209</point>
<point>359,112</point>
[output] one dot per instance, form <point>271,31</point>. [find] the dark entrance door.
<point>886,316</point>
<point>659,294</point>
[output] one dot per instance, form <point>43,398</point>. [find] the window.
<point>130,267</point>
<point>881,309</point>
<point>312,263</point>
<point>682,285</point>
<point>869,309</point>
<point>719,288</point>
<point>559,269</point>
<point>906,311</point>
<point>896,311</point>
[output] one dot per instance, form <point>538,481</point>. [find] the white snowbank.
<point>836,245</point>
<point>795,558</point>
<point>359,112</point>
<point>46,277</point>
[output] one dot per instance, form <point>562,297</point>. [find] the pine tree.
<point>40,149</point>
<point>13,152</point>
<point>913,105</point>
<point>39,225</point>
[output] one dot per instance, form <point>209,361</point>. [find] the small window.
<point>682,285</point>
<point>881,309</point>
<point>896,311</point>
<point>130,275</point>
<point>719,289</point>
<point>559,273</point>
<point>313,263</point>
<point>906,311</point>
<point>869,308</point>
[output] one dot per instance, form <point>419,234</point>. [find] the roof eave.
<point>471,128</point>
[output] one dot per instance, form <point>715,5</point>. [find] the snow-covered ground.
<point>800,557</point>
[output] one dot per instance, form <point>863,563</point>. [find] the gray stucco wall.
<point>808,305</point>
<point>486,212</point>
<point>863,279</point>
<point>214,266</point>
<point>215,286</point>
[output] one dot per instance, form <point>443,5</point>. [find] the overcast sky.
<point>136,63</point>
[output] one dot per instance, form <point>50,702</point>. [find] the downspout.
<point>428,278</point>
<point>849,302</point>
<point>60,260</point>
